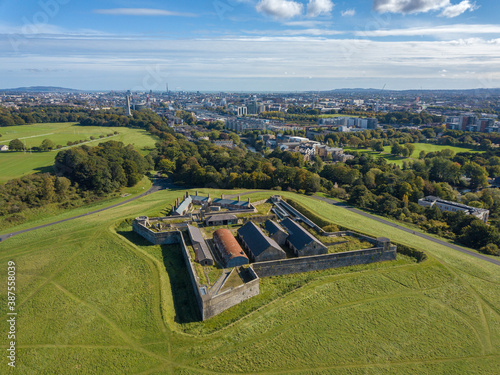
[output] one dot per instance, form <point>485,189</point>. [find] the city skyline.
<point>246,45</point>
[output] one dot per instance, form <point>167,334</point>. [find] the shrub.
<point>331,228</point>
<point>490,249</point>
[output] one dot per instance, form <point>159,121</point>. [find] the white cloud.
<point>251,63</point>
<point>141,12</point>
<point>438,31</point>
<point>348,12</point>
<point>409,6</point>
<point>423,6</point>
<point>458,9</point>
<point>283,9</point>
<point>307,23</point>
<point>317,7</point>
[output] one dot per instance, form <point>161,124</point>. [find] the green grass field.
<point>427,147</point>
<point>94,298</point>
<point>17,164</point>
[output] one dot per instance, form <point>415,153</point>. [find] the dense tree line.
<point>102,169</point>
<point>40,114</point>
<point>204,164</point>
<point>85,175</point>
<point>35,191</point>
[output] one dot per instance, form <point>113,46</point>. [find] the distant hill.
<point>479,91</point>
<point>40,89</point>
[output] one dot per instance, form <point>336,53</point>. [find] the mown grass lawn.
<point>398,160</point>
<point>95,299</point>
<point>17,164</point>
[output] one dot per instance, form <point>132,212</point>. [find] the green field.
<point>427,147</point>
<point>17,164</point>
<point>94,298</point>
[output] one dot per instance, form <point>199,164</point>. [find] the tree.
<point>476,174</point>
<point>377,145</point>
<point>47,145</point>
<point>411,148</point>
<point>354,141</point>
<point>485,144</point>
<point>16,145</point>
<point>62,185</point>
<point>478,235</point>
<point>397,149</point>
<point>166,166</point>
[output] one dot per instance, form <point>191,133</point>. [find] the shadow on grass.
<point>48,169</point>
<point>185,304</point>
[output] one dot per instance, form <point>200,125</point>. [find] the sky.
<point>250,45</point>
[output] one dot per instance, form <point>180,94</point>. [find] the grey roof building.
<point>443,205</point>
<point>222,219</point>
<point>301,241</point>
<point>276,232</point>
<point>201,250</point>
<point>184,207</point>
<point>260,247</point>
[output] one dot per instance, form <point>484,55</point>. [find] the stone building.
<point>276,232</point>
<point>222,219</point>
<point>231,204</point>
<point>260,247</point>
<point>201,250</point>
<point>443,205</point>
<point>301,241</point>
<point>184,207</point>
<point>229,249</point>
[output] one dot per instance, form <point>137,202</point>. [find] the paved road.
<point>386,222</point>
<point>158,185</point>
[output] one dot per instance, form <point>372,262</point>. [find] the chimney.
<point>196,192</point>
<point>222,196</point>
<point>187,194</point>
<point>239,198</point>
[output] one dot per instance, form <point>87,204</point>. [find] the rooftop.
<point>255,239</point>
<point>299,237</point>
<point>431,198</point>
<point>184,205</point>
<point>273,227</point>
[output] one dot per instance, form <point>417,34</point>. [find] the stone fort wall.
<point>213,305</point>
<point>323,262</point>
<point>209,305</point>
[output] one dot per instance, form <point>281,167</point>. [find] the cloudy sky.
<point>250,45</point>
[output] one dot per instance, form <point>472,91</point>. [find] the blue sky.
<point>250,45</point>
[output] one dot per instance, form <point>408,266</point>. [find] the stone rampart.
<point>209,305</point>
<point>213,305</point>
<point>323,262</point>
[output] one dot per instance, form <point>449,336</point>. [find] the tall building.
<point>241,125</point>
<point>253,108</point>
<point>471,123</point>
<point>242,111</point>
<point>129,112</point>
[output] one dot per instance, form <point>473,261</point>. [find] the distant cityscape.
<point>243,111</point>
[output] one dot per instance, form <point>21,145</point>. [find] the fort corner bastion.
<point>240,242</point>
